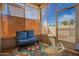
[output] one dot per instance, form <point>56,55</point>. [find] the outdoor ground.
<point>67,35</point>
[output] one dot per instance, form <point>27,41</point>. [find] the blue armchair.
<point>26,38</point>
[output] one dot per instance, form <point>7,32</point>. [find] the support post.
<point>0,25</point>
<point>56,40</point>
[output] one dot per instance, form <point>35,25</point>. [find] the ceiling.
<point>39,4</point>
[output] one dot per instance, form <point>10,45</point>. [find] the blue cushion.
<point>32,39</point>
<point>22,35</point>
<point>30,33</point>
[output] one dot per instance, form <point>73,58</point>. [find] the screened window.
<point>20,4</point>
<point>31,12</point>
<point>5,9</point>
<point>64,5</point>
<point>16,11</point>
<point>49,20</point>
<point>44,21</point>
<point>66,25</point>
<point>52,19</point>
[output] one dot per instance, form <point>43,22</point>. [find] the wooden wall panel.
<point>4,26</point>
<point>15,24</point>
<point>11,24</point>
<point>31,24</point>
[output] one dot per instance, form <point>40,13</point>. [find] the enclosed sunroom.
<point>51,27</point>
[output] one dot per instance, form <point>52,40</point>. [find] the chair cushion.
<point>21,42</point>
<point>22,35</point>
<point>32,39</point>
<point>30,33</point>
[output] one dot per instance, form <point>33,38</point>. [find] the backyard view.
<point>66,31</point>
<point>66,22</point>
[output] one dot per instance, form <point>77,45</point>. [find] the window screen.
<point>31,12</point>
<point>66,25</point>
<point>16,11</point>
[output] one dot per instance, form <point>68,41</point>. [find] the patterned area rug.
<point>43,50</point>
<point>32,51</point>
<point>24,53</point>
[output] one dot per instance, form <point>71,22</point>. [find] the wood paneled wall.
<point>12,24</point>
